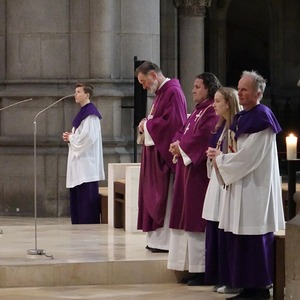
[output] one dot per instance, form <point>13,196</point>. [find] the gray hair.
<point>258,81</point>
<point>146,67</point>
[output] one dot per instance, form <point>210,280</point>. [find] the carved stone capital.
<point>192,7</point>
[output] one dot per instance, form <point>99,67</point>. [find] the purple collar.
<point>85,111</point>
<point>257,119</point>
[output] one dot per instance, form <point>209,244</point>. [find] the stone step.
<point>82,255</point>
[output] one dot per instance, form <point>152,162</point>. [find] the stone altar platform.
<point>82,255</point>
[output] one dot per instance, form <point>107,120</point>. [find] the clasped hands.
<point>66,136</point>
<point>174,149</point>
<point>141,125</point>
<point>212,153</point>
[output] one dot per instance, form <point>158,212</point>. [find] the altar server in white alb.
<point>85,159</point>
<point>252,209</point>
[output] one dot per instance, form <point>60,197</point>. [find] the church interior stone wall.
<point>46,46</point>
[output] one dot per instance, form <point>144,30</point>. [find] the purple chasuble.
<point>191,181</point>
<point>169,114</point>
<point>85,111</point>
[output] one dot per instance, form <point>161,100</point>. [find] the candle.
<point>291,147</point>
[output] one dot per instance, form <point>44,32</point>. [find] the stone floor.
<point>162,291</point>
<point>89,262</point>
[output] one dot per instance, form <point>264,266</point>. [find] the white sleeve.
<point>185,157</point>
<point>85,135</point>
<point>209,167</point>
<point>148,139</point>
<point>234,166</point>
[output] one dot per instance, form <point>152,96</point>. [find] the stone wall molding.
<point>192,7</point>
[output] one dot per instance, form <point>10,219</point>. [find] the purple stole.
<point>85,111</point>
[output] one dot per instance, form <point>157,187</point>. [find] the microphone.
<point>37,251</point>
<point>19,102</point>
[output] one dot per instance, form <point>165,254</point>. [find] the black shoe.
<point>149,248</point>
<point>240,296</point>
<point>188,278</point>
<point>243,295</point>
<point>156,250</point>
<point>262,294</point>
<point>252,294</point>
<point>197,281</point>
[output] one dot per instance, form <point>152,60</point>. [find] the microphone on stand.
<point>37,251</point>
<point>8,106</point>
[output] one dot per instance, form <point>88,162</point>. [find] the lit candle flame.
<point>291,147</point>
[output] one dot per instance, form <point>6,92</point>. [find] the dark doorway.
<point>248,43</point>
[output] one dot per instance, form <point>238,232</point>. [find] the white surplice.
<point>213,196</point>
<point>187,251</point>
<point>253,200</point>
<point>85,159</point>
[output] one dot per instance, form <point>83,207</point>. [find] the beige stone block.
<point>135,272</point>
<point>55,56</point>
<point>140,45</point>
<point>80,52</point>
<point>111,122</point>
<point>105,54</point>
<point>54,118</point>
<point>24,126</point>
<point>16,165</point>
<point>116,171</point>
<point>132,176</point>
<point>34,275</point>
<point>81,274</point>
<point>2,276</point>
<point>142,12</point>
<point>27,16</point>
<point>79,16</point>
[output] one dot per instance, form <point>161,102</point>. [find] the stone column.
<point>140,35</point>
<point>105,26</point>
<point>191,49</point>
<point>120,30</point>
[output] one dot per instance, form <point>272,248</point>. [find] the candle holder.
<point>291,147</point>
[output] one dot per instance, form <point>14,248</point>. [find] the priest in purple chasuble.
<point>252,208</point>
<point>187,243</point>
<point>167,115</point>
